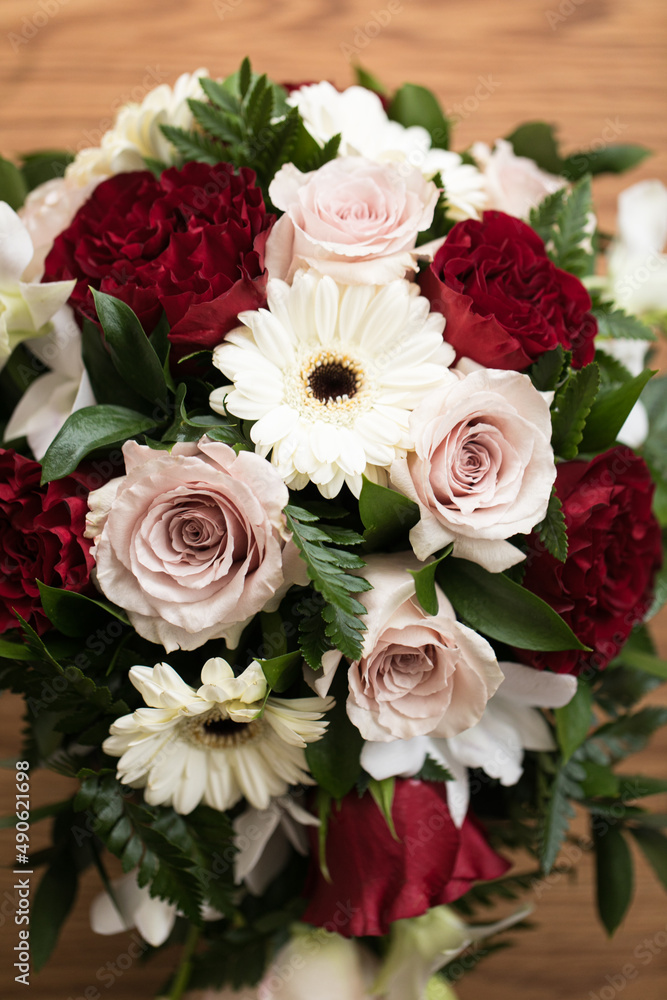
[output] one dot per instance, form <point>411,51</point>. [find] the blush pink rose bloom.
<point>482,466</point>
<point>514,184</point>
<point>192,543</point>
<point>353,219</point>
<point>47,212</point>
<point>418,673</point>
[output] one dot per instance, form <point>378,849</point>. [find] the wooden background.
<point>597,67</point>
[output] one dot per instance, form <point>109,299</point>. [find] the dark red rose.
<point>191,243</point>
<point>41,538</point>
<point>604,587</point>
<point>504,301</point>
<point>376,879</point>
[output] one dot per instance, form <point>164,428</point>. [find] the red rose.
<point>376,879</point>
<point>604,586</point>
<point>191,243</point>
<point>41,538</point>
<point>505,302</point>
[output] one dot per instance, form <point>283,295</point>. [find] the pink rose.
<point>514,184</point>
<point>418,673</point>
<point>352,219</point>
<point>482,466</point>
<point>47,212</point>
<point>192,543</point>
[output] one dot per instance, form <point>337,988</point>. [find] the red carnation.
<point>190,242</point>
<point>504,301</point>
<point>604,587</point>
<point>376,879</point>
<point>41,538</point>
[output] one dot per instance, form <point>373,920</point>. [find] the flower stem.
<point>182,977</point>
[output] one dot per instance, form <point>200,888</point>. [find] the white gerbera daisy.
<point>366,130</point>
<point>330,373</point>
<point>218,744</point>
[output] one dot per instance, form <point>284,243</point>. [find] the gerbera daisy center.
<point>334,378</point>
<point>218,731</point>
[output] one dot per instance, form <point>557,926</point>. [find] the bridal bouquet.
<point>330,521</point>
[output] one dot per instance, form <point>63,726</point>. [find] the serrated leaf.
<point>327,567</point>
<point>543,218</point>
<point>493,604</point>
<point>559,811</point>
<point>609,413</point>
<point>615,323</point>
<point>432,770</point>
<point>573,721</point>
<point>313,641</point>
<point>614,876</point>
<point>245,76</point>
<point>571,408</point>
<point>570,238</point>
<point>259,105</point>
<point>193,146</point>
<point>215,122</point>
<point>220,96</point>
<point>552,531</point>
<point>87,430</point>
<point>547,371</point>
<point>625,736</point>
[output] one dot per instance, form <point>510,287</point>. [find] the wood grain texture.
<point>596,67</point>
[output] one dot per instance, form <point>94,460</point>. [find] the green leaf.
<point>76,614</point>
<point>11,650</point>
<point>552,531</point>
<point>414,105</point>
<point>51,906</point>
<point>328,569</point>
<point>194,146</point>
<point>571,407</point>
<point>131,351</point>
<point>559,810</point>
<point>13,188</point>
<point>386,515</point>
<point>88,429</point>
<point>654,846</point>
<point>383,796</point>
<point>106,383</point>
<point>220,95</point>
<point>614,876</point>
<point>600,781</point>
<point>626,735</point>
<point>215,122</point>
<point>537,141</point>
<point>282,671</point>
<point>245,76</point>
<point>613,159</point>
<point>493,604</point>
<point>367,80</point>
<point>640,786</point>
<point>544,217</point>
<point>573,720</point>
<point>547,371</point>
<point>312,637</point>
<point>45,165</point>
<point>570,237</point>
<point>613,323</point>
<point>644,661</point>
<point>432,770</point>
<point>425,582</point>
<point>609,413</point>
<point>334,759</point>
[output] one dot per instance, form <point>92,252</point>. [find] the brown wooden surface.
<point>597,67</point>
